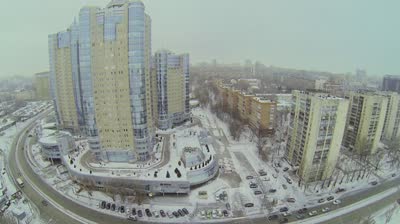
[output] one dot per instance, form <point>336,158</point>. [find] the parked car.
<point>139,213</point>
<point>225,212</point>
<point>170,215</point>
<point>325,209</point>
<point>340,190</point>
<point>272,190</point>
<point>292,200</point>
<point>248,205</point>
<point>180,212</point>
<point>228,206</point>
<point>330,198</point>
<point>312,213</point>
<point>275,175</point>
<point>44,203</point>
<point>337,202</point>
<point>253,185</point>
<point>162,213</point>
<point>113,207</point>
<point>321,200</point>
<point>289,181</point>
<point>284,209</point>
<point>185,211</point>
<point>148,213</point>
<point>257,192</point>
<point>133,211</point>
<point>103,204</point>
<point>122,209</point>
<point>155,213</point>
<point>285,169</point>
<point>249,177</point>
<point>132,218</point>
<point>108,206</point>
<point>265,179</point>
<point>300,216</point>
<point>284,186</point>
<point>175,214</point>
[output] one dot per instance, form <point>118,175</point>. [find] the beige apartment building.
<point>315,134</point>
<point>41,85</point>
<point>262,117</point>
<point>365,121</point>
<point>392,117</point>
<point>244,105</point>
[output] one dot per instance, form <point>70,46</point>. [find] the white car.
<point>336,202</point>
<point>313,213</point>
<point>325,209</point>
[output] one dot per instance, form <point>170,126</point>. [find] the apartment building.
<point>172,77</point>
<point>41,85</point>
<point>315,134</point>
<point>262,116</point>
<point>244,105</point>
<point>392,117</point>
<point>365,121</point>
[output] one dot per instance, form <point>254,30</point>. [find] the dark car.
<point>225,212</point>
<point>185,211</point>
<point>175,214</point>
<point>148,213</point>
<point>181,213</point>
<point>108,206</point>
<point>284,220</point>
<point>272,217</point>
<point>284,209</point>
<point>340,190</point>
<point>321,200</point>
<point>374,182</point>
<point>248,205</point>
<point>122,209</point>
<point>44,203</point>
<point>113,207</point>
<point>253,185</point>
<point>103,204</point>
<point>330,198</point>
<point>162,213</point>
<point>302,210</point>
<point>140,213</point>
<point>133,211</point>
<point>285,169</point>
<point>272,190</point>
<point>257,192</point>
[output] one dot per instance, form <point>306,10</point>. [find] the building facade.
<point>315,134</point>
<point>391,83</point>
<point>392,117</point>
<point>365,121</point>
<point>172,77</point>
<point>42,86</point>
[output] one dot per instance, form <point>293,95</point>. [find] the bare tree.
<point>7,218</point>
<point>389,213</point>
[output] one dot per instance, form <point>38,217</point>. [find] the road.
<point>62,210</point>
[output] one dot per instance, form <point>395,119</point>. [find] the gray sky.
<point>336,36</point>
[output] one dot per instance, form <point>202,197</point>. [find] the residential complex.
<point>392,117</point>
<point>258,111</point>
<point>172,76</point>
<point>315,134</point>
<point>103,86</point>
<point>41,85</point>
<point>365,121</point>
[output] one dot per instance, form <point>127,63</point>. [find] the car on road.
<point>273,217</point>
<point>292,200</point>
<point>272,190</point>
<point>140,213</point>
<point>337,202</point>
<point>340,190</point>
<point>325,209</point>
<point>257,192</point>
<point>300,216</point>
<point>249,177</point>
<point>284,220</point>
<point>248,205</point>
<point>330,198</point>
<point>284,209</point>
<point>374,182</point>
<point>312,213</point>
<point>321,200</point>
<point>132,218</point>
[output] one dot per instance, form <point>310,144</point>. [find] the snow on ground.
<point>382,216</point>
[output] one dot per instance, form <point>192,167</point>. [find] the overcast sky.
<point>337,36</point>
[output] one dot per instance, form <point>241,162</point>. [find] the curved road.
<point>62,210</point>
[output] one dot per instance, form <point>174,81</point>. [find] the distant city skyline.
<point>337,36</point>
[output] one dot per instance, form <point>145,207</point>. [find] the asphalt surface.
<point>64,206</point>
